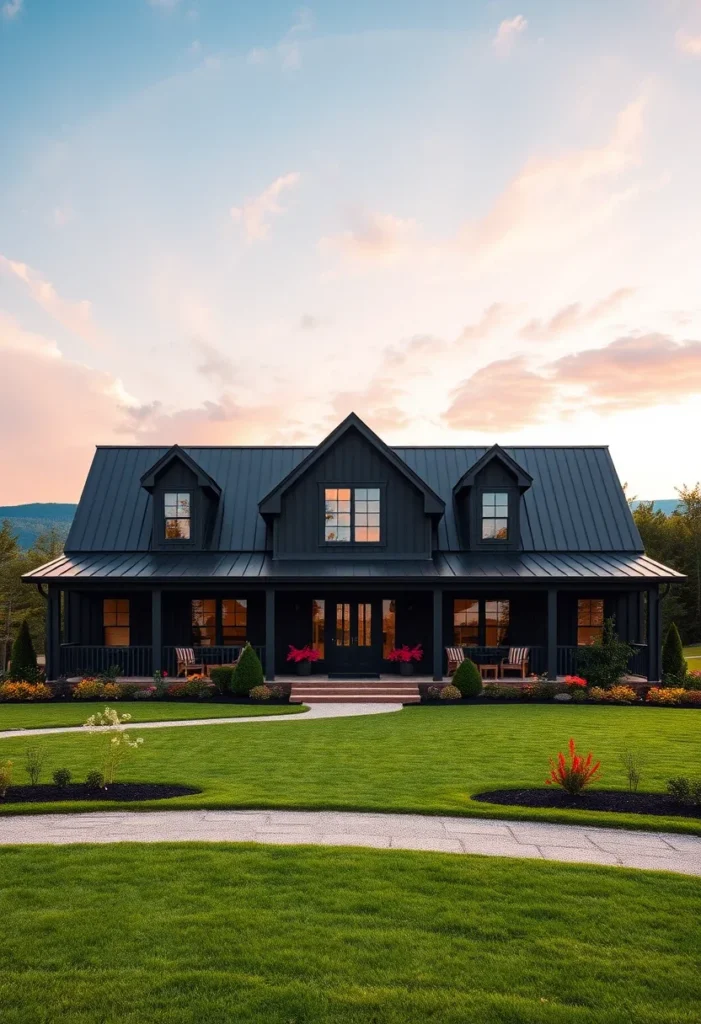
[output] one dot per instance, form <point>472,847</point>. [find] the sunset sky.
<point>229,223</point>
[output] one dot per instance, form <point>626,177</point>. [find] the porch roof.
<point>144,567</point>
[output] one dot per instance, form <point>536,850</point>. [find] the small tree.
<point>604,662</point>
<point>673,661</point>
<point>119,742</point>
<point>249,672</point>
<point>24,659</point>
<point>467,679</point>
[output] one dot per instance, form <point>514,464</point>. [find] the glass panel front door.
<point>355,629</point>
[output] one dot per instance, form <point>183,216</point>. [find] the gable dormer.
<point>488,502</point>
<point>352,497</point>
<point>184,502</point>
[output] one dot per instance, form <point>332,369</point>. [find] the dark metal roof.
<point>575,503</point>
<point>151,567</point>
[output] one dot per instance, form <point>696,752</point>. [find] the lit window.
<point>590,620</point>
<point>495,515</point>
<point>389,627</point>
<point>357,520</point>
<point>337,514</point>
<point>234,617</point>
<point>115,622</point>
<point>318,625</point>
<point>176,508</point>
<point>466,622</point>
<point>204,623</point>
<point>496,622</point>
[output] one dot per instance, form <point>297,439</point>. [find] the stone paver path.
<point>315,711</point>
<point>664,851</point>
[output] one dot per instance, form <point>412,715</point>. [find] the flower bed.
<point>119,791</point>
<point>620,801</point>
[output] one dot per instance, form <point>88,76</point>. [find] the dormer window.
<point>352,514</point>
<point>177,515</point>
<point>495,515</point>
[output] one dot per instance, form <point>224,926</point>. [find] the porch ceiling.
<point>448,567</point>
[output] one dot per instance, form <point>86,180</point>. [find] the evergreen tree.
<point>24,659</point>
<point>9,547</point>
<point>467,679</point>
<point>673,660</point>
<point>249,672</point>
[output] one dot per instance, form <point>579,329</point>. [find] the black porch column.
<point>552,633</point>
<point>156,630</point>
<point>654,635</point>
<point>53,632</point>
<point>270,634</point>
<point>437,634</point>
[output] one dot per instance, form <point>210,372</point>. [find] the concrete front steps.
<point>355,691</point>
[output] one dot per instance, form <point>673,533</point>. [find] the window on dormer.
<point>495,515</point>
<point>352,514</point>
<point>177,514</point>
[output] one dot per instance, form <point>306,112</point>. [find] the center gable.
<point>352,497</point>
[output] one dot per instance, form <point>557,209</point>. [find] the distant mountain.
<point>666,505</point>
<point>28,521</point>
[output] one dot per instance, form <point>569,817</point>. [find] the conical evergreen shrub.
<point>24,659</point>
<point>467,679</point>
<point>673,660</point>
<point>249,672</point>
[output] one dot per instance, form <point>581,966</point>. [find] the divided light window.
<point>352,514</point>
<point>204,623</point>
<point>495,515</point>
<point>177,514</point>
<point>234,620</point>
<point>115,622</point>
<point>467,631</point>
<point>590,620</point>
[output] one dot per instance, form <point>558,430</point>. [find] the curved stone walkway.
<point>315,712</point>
<point>657,850</point>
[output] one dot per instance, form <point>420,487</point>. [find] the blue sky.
<point>233,223</point>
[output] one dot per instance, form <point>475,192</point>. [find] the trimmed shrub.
<point>25,691</point>
<point>62,777</point>
<point>614,695</point>
<point>24,659</point>
<point>129,690</point>
<point>433,692</point>
<point>579,696</point>
<point>148,693</point>
<point>674,664</point>
<point>685,791</point>
<point>197,687</point>
<point>467,679</point>
<point>604,662</point>
<point>277,692</point>
<point>89,689</point>
<point>491,691</point>
<point>223,677</point>
<point>261,692</point>
<point>450,692</point>
<point>665,696</point>
<point>546,691</point>
<point>692,680</point>
<point>112,691</point>
<point>249,672</point>
<point>95,779</point>
<point>692,698</point>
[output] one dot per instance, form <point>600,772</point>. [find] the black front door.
<point>355,636</point>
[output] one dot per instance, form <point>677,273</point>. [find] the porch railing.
<point>566,658</point>
<point>208,656</point>
<point>76,660</point>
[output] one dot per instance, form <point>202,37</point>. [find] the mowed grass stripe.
<point>274,935</point>
<point>53,716</point>
<point>425,759</point>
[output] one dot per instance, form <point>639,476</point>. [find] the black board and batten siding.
<point>353,462</point>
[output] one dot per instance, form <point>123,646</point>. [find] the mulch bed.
<point>79,791</point>
<point>596,800</point>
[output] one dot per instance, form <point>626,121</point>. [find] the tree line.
<point>19,601</point>
<point>675,540</point>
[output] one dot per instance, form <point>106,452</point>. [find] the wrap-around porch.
<point>353,627</point>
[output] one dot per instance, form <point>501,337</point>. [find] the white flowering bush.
<point>119,743</point>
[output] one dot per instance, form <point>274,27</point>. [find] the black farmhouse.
<point>353,547</point>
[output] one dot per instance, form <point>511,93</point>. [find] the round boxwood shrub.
<point>223,677</point>
<point>450,693</point>
<point>261,692</point>
<point>467,679</point>
<point>249,672</point>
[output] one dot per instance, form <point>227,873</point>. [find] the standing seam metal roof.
<point>575,504</point>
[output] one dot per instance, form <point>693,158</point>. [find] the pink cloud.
<point>502,395</point>
<point>508,32</point>
<point>254,214</point>
<point>375,238</point>
<point>573,317</point>
<point>689,44</point>
<point>74,316</point>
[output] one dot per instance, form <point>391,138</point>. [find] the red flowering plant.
<point>307,653</point>
<point>576,775</point>
<point>406,653</point>
<point>576,683</point>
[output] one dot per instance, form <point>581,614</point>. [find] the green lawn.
<point>420,759</point>
<point>693,657</point>
<point>47,716</point>
<point>172,934</point>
